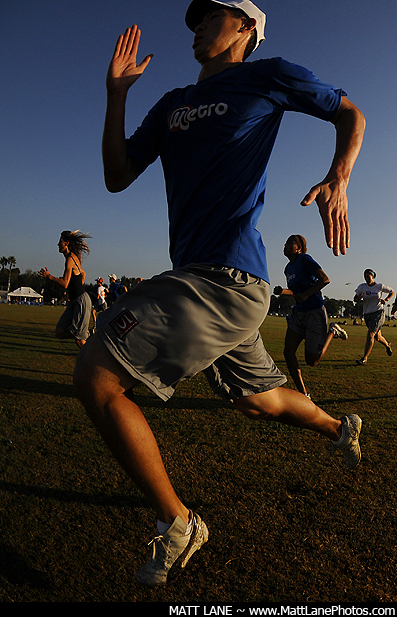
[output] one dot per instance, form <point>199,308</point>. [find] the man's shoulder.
<point>275,65</point>
<point>304,260</point>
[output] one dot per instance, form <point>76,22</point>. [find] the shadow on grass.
<point>6,367</point>
<point>356,399</point>
<point>73,351</point>
<point>180,402</point>
<point>19,385</point>
<point>43,492</point>
<point>15,569</point>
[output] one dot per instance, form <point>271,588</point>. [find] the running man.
<point>214,139</point>
<point>374,312</point>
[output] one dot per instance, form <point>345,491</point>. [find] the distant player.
<point>115,289</point>
<point>75,320</point>
<point>374,313</point>
<point>100,302</point>
<point>308,318</point>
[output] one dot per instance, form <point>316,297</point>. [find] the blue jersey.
<point>115,290</point>
<point>214,139</point>
<point>300,276</point>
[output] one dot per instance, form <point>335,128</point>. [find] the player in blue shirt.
<point>214,139</point>
<point>308,318</point>
<point>115,288</point>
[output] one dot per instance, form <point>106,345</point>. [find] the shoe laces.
<point>157,544</point>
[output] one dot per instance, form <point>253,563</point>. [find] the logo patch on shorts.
<point>123,323</point>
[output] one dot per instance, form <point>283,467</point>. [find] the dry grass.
<point>287,521</point>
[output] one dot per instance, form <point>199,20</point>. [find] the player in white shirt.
<point>100,302</point>
<point>374,314</point>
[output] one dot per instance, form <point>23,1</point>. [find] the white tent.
<point>24,294</point>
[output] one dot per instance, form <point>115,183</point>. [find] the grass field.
<point>287,520</point>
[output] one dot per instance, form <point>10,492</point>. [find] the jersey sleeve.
<point>310,265</point>
<point>295,88</point>
<point>386,289</point>
<point>144,146</point>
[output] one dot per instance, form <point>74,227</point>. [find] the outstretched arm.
<point>62,282</point>
<point>330,194</point>
<point>123,72</point>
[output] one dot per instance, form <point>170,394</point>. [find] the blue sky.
<point>54,58</point>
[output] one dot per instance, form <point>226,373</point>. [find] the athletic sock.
<point>339,441</point>
<point>162,528</point>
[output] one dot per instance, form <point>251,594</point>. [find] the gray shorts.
<point>192,319</point>
<point>100,307</point>
<point>311,325</point>
<point>76,317</point>
<point>374,321</point>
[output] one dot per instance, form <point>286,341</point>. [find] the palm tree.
<point>11,262</point>
<point>3,264</point>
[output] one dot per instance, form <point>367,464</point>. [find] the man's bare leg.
<point>289,407</point>
<point>291,344</point>
<point>104,387</point>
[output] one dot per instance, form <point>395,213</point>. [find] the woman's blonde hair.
<point>76,241</point>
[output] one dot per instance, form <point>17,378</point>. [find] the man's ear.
<point>249,23</point>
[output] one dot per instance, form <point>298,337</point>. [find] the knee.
<point>257,407</point>
<point>95,380</point>
<point>312,360</point>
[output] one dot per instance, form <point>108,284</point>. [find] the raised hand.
<point>123,70</point>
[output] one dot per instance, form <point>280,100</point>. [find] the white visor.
<point>199,8</point>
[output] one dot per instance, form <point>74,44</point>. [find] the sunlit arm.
<point>123,72</point>
<point>282,291</point>
<point>118,167</point>
<point>65,279</point>
<point>330,194</point>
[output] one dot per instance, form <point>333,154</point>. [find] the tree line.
<point>11,278</point>
<point>335,308</point>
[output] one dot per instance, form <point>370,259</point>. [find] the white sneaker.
<point>337,331</point>
<point>348,443</point>
<point>171,552</point>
